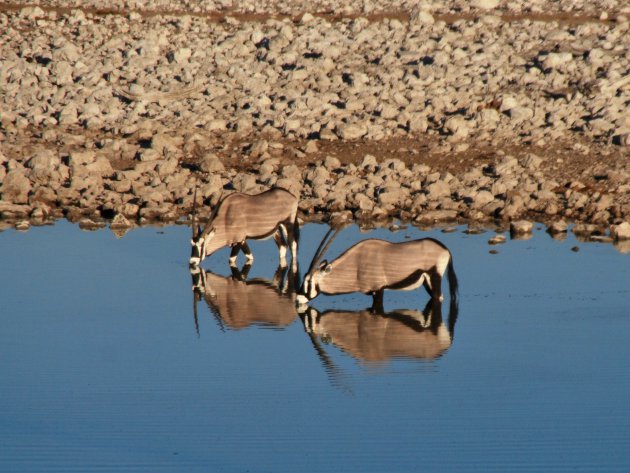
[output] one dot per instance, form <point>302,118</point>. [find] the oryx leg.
<point>427,283</point>
<point>290,236</point>
<point>240,274</point>
<point>280,279</point>
<point>436,285</point>
<point>377,302</point>
<point>248,253</point>
<point>280,240</point>
<point>233,254</point>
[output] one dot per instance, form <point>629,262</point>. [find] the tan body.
<point>381,337</point>
<point>240,303</point>
<point>241,217</point>
<point>371,266</point>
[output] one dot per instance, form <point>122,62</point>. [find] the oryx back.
<point>240,217</point>
<point>372,265</point>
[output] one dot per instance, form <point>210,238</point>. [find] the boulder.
<point>16,187</point>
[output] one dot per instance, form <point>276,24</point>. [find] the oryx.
<point>238,302</point>
<point>378,337</point>
<point>373,265</point>
<point>240,217</point>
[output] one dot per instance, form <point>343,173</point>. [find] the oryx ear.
<point>325,266</point>
<point>322,265</point>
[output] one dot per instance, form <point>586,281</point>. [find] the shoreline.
<point>118,117</point>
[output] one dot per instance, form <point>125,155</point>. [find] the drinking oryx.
<point>240,217</point>
<point>237,302</point>
<point>373,265</point>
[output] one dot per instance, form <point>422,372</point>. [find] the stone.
<point>119,222</point>
<point>520,227</point>
<point>621,231</point>
<point>432,216</point>
<point>559,226</point>
<point>81,158</point>
<point>484,4</point>
<point>101,166</point>
<point>556,59</point>
<point>437,190</point>
<point>211,164</point>
<point>497,239</point>
<point>350,131</point>
<point>531,162</point>
<point>331,163</point>
<point>369,162</point>
<point>16,187</point>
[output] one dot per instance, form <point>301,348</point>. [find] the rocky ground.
<point>446,111</point>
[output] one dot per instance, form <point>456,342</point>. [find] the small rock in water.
<point>22,225</point>
<point>119,222</point>
<point>496,240</point>
<point>621,231</point>
<point>558,227</point>
<point>521,227</point>
<point>575,249</point>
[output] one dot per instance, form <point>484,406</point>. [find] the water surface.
<point>104,365</point>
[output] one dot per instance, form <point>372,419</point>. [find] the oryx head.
<point>310,286</point>
<point>317,271</point>
<point>200,238</point>
<point>200,245</point>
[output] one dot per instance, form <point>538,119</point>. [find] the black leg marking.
<point>436,285</point>
<point>377,302</point>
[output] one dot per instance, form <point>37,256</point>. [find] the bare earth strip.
<point>449,111</point>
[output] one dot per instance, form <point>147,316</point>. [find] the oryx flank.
<point>373,265</point>
<point>240,217</point>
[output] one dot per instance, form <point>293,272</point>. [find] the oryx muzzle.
<point>241,217</point>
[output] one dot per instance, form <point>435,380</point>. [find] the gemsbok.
<point>379,337</point>
<point>241,217</point>
<point>373,265</point>
<point>237,302</point>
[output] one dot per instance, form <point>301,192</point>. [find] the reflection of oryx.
<point>240,217</point>
<point>239,303</point>
<point>372,265</point>
<point>376,337</point>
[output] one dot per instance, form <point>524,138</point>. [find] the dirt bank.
<point>457,111</point>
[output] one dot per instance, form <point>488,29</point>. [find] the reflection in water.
<point>378,336</point>
<point>238,303</point>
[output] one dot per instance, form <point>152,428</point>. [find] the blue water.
<point>104,368</point>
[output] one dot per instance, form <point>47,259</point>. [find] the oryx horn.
<point>194,214</point>
<point>323,247</point>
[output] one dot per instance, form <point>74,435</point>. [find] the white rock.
<point>520,227</point>
<point>484,4</point>
<point>621,231</point>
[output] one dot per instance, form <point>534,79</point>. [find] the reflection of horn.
<point>336,376</point>
<point>323,247</point>
<point>195,299</point>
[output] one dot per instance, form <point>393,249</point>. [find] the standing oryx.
<point>371,266</point>
<point>239,217</point>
